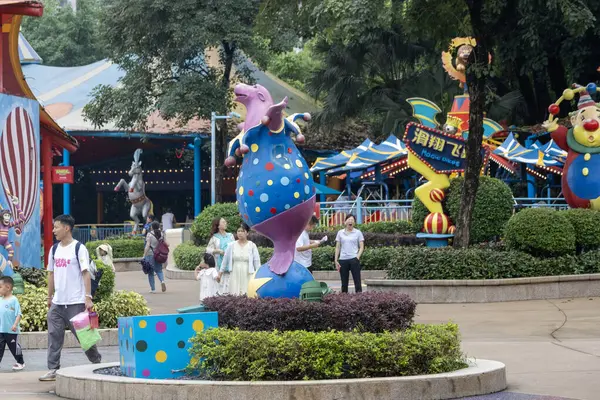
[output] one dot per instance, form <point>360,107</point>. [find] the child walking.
<point>10,316</point>
<point>207,274</point>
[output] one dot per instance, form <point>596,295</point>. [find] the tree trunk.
<point>221,134</point>
<point>476,80</point>
<point>542,94</point>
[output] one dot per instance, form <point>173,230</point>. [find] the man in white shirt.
<point>69,291</point>
<point>168,220</point>
<point>304,245</point>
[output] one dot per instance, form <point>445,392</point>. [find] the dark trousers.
<point>348,266</point>
<point>13,345</point>
<point>59,319</point>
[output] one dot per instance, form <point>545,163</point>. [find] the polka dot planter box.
<point>156,346</point>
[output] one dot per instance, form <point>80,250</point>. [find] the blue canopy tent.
<point>539,155</point>
<point>390,149</point>
<point>324,164</point>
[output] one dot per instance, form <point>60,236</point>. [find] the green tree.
<point>66,38</point>
<point>164,48</point>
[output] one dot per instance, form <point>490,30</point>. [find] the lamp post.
<point>213,125</point>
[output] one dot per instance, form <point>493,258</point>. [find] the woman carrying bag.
<point>152,266</point>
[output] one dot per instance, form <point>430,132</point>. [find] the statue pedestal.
<point>435,240</point>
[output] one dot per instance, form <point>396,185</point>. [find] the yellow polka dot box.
<point>156,346</point>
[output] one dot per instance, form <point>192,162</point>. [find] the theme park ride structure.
<point>275,189</point>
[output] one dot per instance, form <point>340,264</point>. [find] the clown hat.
<point>585,100</point>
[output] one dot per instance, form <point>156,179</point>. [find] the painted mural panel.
<point>20,232</point>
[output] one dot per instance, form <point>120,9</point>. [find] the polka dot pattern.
<point>161,327</point>
<point>276,172</point>
<point>161,356</point>
<point>143,324</point>
<point>198,325</point>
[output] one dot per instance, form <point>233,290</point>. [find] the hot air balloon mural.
<point>20,170</point>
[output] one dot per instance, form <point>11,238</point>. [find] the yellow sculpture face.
<point>586,126</point>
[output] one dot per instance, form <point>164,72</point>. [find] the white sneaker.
<point>48,376</point>
<point>152,292</point>
<point>18,367</point>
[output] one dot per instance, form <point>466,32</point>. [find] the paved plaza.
<point>551,348</point>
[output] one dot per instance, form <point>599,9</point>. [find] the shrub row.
<point>373,239</point>
<point>188,256</point>
<point>483,263</point>
<point>546,233</point>
<point>224,354</point>
<point>365,312</point>
<point>122,248</point>
<point>34,306</point>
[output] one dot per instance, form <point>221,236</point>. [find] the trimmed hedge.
<point>120,304</point>
<point>586,224</point>
<point>122,248</point>
<point>188,256</point>
<point>541,232</point>
<point>224,354</point>
<point>202,223</point>
<point>483,263</point>
<point>365,312</point>
<point>372,239</point>
<point>493,208</point>
<point>395,227</point>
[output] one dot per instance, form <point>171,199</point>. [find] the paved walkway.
<point>551,348</point>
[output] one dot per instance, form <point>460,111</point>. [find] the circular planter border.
<point>491,290</point>
<point>482,377</point>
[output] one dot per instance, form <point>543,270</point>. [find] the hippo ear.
<point>261,96</point>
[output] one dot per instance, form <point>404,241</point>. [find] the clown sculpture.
<point>6,224</point>
<point>581,173</point>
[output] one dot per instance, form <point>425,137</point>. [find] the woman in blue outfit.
<point>151,243</point>
<point>219,241</point>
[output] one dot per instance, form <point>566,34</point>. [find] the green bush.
<point>188,255</point>
<point>223,354</point>
<point>34,307</point>
<point>586,224</point>
<point>493,208</point>
<point>540,232</point>
<point>122,248</point>
<point>418,214</point>
<point>201,226</point>
<point>107,282</point>
<point>395,227</point>
<point>483,263</point>
<point>35,276</point>
<point>120,304</point>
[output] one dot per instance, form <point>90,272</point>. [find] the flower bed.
<point>367,312</point>
<point>225,354</point>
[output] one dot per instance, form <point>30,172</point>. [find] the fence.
<point>331,213</point>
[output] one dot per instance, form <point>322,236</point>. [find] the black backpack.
<point>95,273</point>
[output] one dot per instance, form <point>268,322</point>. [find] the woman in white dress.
<point>241,260</point>
<point>219,241</point>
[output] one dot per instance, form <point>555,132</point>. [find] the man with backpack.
<point>69,291</point>
<point>156,253</point>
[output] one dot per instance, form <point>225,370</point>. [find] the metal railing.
<point>87,233</point>
<point>332,213</point>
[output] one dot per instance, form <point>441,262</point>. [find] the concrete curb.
<point>491,290</point>
<point>172,272</point>
<point>482,377</point>
<point>127,264</point>
<point>39,340</point>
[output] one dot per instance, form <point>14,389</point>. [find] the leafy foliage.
<point>586,224</point>
<point>540,232</point>
<point>483,263</point>
<point>107,282</point>
<point>35,276</point>
<point>295,67</point>
<point>202,224</point>
<point>64,38</point>
<point>122,248</point>
<point>366,312</point>
<point>224,354</point>
<point>34,306</point>
<point>188,256</point>
<point>120,304</point>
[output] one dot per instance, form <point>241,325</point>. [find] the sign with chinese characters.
<point>62,175</point>
<point>443,153</point>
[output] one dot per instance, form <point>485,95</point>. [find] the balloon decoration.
<point>581,172</point>
<point>275,189</point>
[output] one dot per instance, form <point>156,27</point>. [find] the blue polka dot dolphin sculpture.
<point>275,189</point>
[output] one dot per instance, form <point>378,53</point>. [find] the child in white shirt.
<point>207,274</point>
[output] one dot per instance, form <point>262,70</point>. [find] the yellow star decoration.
<point>255,284</point>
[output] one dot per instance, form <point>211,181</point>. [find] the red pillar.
<point>47,178</point>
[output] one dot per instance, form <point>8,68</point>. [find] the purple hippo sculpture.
<point>275,189</point>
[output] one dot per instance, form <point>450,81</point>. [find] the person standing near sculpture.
<point>69,291</point>
<point>219,241</point>
<point>152,241</point>
<point>350,244</point>
<point>304,245</point>
<point>168,220</point>
<point>241,260</point>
